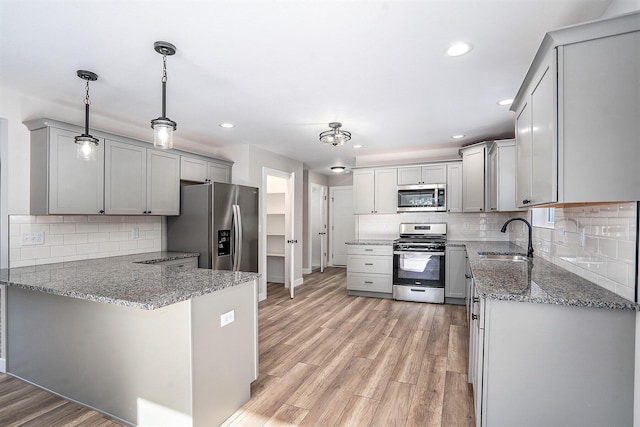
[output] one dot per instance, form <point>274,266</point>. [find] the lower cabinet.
<point>454,282</point>
<point>546,364</point>
<point>370,270</point>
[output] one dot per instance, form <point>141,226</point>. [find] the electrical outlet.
<point>135,233</point>
<point>227,318</point>
<point>33,238</point>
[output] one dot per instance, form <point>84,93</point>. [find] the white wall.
<point>618,7</point>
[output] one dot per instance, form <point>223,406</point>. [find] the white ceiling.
<point>282,70</point>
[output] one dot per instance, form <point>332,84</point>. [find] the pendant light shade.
<point>163,127</point>
<point>335,136</point>
<point>86,144</point>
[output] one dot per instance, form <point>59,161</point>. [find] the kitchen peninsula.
<point>143,342</point>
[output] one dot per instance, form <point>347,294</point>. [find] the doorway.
<point>278,230</point>
<point>318,227</point>
<point>343,228</point>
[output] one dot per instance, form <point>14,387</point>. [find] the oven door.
<point>418,268</point>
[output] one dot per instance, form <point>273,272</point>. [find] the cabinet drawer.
<point>370,250</point>
<point>371,283</point>
<point>370,264</point>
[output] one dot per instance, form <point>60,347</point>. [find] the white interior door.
<point>342,223</point>
<point>318,226</point>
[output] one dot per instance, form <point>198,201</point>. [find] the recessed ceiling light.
<point>227,125</point>
<point>505,101</point>
<point>337,169</point>
<point>358,146</point>
<point>458,136</point>
<point>459,48</point>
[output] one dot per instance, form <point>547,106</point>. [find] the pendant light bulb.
<point>85,143</point>
<point>163,127</point>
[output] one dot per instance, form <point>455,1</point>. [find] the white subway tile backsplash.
<point>78,237</point>
<point>597,242</point>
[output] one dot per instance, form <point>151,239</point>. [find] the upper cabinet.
<point>577,115</point>
<point>127,177</point>
<point>198,169</point>
<point>501,186</point>
<point>473,178</point>
<point>454,187</point>
<point>375,191</point>
<point>428,174</point>
<point>60,182</point>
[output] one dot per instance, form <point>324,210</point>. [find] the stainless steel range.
<point>419,263</point>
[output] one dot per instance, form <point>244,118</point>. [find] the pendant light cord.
<point>164,85</point>
<point>87,102</point>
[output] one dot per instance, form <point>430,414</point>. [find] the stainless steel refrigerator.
<point>220,221</point>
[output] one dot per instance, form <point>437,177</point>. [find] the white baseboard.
<point>3,366</point>
<point>298,282</point>
<point>307,270</point>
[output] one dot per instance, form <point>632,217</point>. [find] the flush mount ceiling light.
<point>458,136</point>
<point>86,144</point>
<point>227,125</point>
<point>335,136</point>
<point>358,146</point>
<point>505,102</point>
<point>163,127</point>
<point>459,48</point>
<point>337,169</point>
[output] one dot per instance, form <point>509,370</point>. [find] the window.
<point>543,217</point>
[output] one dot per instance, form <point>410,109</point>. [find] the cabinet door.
<point>125,186</point>
<point>544,147</point>
<point>454,187</point>
<point>386,191</point>
<point>163,183</point>
<point>523,157</point>
<point>409,176</point>
<point>473,180</point>
<point>75,186</point>
<point>363,191</point>
<point>218,173</point>
<point>192,169</point>
<point>492,170</point>
<point>434,174</point>
<point>456,265</point>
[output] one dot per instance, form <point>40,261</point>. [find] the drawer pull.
<point>368,282</point>
<point>368,250</point>
<point>417,290</point>
<point>368,263</point>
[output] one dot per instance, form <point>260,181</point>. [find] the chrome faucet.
<point>530,248</point>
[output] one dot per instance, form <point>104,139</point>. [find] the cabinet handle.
<point>480,209</point>
<point>467,276</point>
<point>476,299</point>
<point>368,283</point>
<point>474,317</point>
<point>526,201</point>
<point>101,211</point>
<point>368,250</point>
<point>494,209</point>
<point>149,212</point>
<point>368,263</point>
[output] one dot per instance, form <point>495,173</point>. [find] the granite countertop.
<point>130,281</point>
<point>536,281</point>
<point>371,242</point>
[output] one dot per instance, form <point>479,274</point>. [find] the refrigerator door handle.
<point>236,238</point>
<point>240,237</point>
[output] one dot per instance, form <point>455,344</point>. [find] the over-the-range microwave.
<point>422,198</point>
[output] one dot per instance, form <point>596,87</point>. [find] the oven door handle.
<point>418,252</point>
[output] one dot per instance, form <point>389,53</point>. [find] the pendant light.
<point>163,127</point>
<point>335,136</point>
<point>86,144</point>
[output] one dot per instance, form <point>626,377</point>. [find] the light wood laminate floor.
<point>328,359</point>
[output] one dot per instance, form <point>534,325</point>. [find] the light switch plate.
<point>227,318</point>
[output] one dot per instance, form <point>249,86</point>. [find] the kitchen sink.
<point>489,256</point>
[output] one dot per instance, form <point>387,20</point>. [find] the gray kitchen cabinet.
<point>502,176</point>
<point>454,283</point>
<point>547,364</point>
<point>198,169</point>
<point>60,182</point>
<point>427,174</point>
<point>375,191</point>
<point>163,183</point>
<point>125,184</point>
<point>141,181</point>
<point>577,116</point>
<point>454,187</point>
<point>473,178</point>
<point>370,270</point>
<point>193,169</point>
